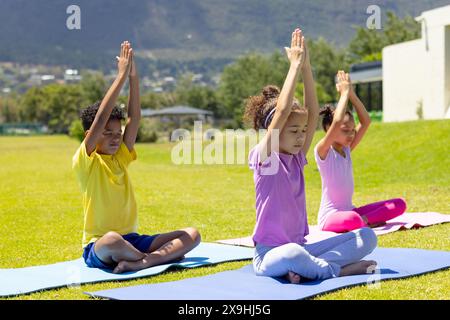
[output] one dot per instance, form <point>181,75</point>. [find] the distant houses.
<point>16,77</point>
<point>177,114</point>
<point>71,75</point>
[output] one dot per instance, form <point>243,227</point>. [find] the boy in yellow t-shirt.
<point>110,238</point>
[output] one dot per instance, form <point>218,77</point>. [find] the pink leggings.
<point>344,221</point>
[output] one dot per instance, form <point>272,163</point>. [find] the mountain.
<point>184,30</point>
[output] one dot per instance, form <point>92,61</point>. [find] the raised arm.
<point>134,107</point>
<point>101,118</point>
<point>283,108</point>
<point>310,101</point>
<point>363,116</point>
<point>343,86</point>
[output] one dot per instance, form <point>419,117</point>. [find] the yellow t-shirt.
<point>108,198</point>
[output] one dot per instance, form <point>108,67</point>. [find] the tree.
<point>93,86</point>
<point>63,104</point>
<point>153,100</point>
<point>368,44</point>
<point>247,76</point>
<point>55,105</point>
<point>196,96</point>
<point>9,109</point>
<point>31,106</point>
<point>326,60</point>
<point>322,95</point>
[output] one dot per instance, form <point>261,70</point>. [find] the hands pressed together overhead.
<point>125,64</point>
<point>297,52</point>
<point>343,82</point>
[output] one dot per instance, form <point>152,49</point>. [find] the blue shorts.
<point>140,242</point>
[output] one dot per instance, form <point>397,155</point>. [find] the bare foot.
<point>360,267</point>
<point>292,277</point>
<point>124,266</point>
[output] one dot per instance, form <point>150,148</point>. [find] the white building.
<point>416,74</point>
<point>71,75</point>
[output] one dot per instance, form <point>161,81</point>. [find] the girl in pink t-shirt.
<point>277,163</point>
<point>332,154</point>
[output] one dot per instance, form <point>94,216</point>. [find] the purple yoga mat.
<point>403,222</point>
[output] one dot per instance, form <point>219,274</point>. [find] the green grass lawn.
<point>42,218</point>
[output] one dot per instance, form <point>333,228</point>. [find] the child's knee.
<point>194,234</point>
<point>344,222</point>
<point>353,221</point>
<point>293,252</point>
<point>111,240</point>
<point>369,239</point>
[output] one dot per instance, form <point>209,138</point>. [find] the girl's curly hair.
<point>257,108</point>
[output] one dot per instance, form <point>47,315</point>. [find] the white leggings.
<point>320,260</point>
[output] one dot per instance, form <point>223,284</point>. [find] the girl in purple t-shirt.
<point>277,163</point>
<point>332,154</point>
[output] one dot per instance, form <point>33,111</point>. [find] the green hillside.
<point>35,31</point>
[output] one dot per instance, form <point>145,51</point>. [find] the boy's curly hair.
<point>259,107</point>
<point>327,114</point>
<point>88,115</point>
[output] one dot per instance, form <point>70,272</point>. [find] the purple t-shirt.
<point>280,198</point>
<point>337,183</point>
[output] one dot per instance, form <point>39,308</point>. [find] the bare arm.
<point>134,108</point>
<point>286,97</point>
<point>364,119</point>
<point>310,101</point>
<point>343,87</point>
<point>101,118</point>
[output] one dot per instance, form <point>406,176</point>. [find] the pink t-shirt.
<point>280,198</point>
<point>337,183</point>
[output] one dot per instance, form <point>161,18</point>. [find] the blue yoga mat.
<point>243,284</point>
<point>26,280</point>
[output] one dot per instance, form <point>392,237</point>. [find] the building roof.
<point>175,111</point>
<point>437,17</point>
<point>366,72</point>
